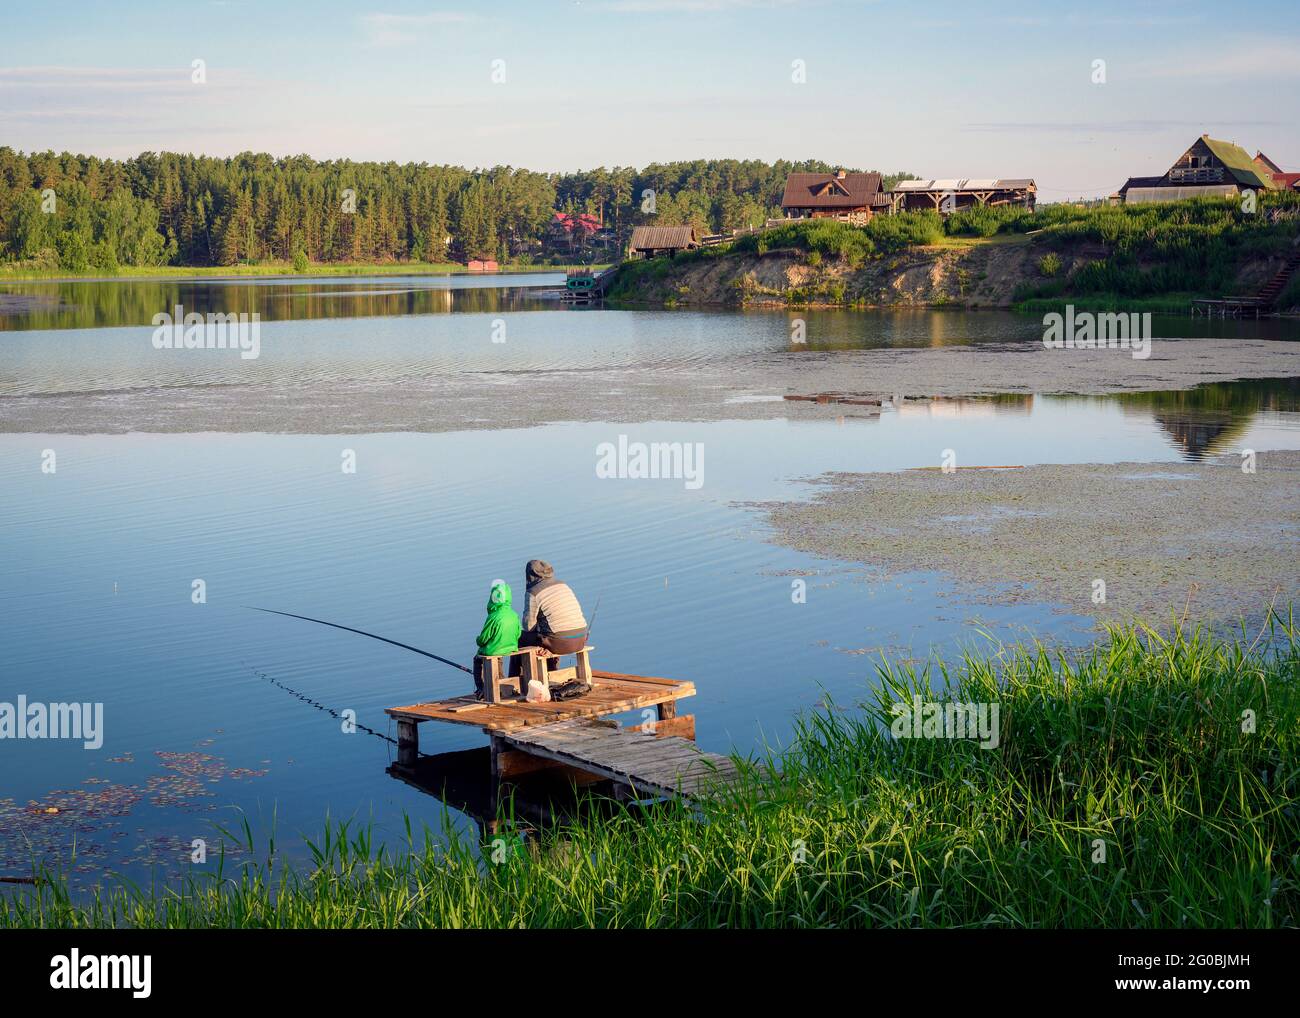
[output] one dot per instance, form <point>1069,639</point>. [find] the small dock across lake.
<point>583,286</point>
<point>1230,307</point>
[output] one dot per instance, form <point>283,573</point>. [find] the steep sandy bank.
<point>972,274</point>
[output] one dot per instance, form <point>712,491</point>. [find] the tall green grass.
<point>1140,744</point>
<point>1192,247</point>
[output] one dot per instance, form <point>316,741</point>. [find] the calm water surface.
<point>211,709</point>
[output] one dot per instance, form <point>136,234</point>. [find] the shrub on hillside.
<point>907,229</point>
<point>827,237</point>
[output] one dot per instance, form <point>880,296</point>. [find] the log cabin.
<point>850,197</point>
<point>652,241</point>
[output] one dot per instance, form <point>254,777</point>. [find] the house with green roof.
<point>1210,168</point>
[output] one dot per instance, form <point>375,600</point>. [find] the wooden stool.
<point>534,669</point>
<point>579,671</point>
<point>487,676</point>
<point>582,665</point>
<point>489,673</point>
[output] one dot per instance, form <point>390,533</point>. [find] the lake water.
<point>211,708</point>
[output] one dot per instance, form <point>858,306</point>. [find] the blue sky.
<point>938,89</point>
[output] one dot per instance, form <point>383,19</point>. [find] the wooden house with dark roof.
<point>852,197</point>
<point>652,241</point>
<point>1210,168</point>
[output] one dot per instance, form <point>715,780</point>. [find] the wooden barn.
<point>953,195</point>
<point>652,241</point>
<point>1210,168</point>
<point>851,197</point>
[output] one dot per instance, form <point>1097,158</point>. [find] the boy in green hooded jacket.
<point>500,634</point>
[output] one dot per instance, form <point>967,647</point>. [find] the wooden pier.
<point>655,757</point>
<point>1230,307</point>
<point>641,761</point>
<point>585,286</point>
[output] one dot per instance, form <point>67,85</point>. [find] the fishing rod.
<point>362,632</point>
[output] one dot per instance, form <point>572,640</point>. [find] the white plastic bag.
<point>537,693</point>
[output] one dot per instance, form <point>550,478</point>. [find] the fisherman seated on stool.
<point>500,634</point>
<point>553,619</point>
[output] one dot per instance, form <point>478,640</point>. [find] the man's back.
<point>550,607</point>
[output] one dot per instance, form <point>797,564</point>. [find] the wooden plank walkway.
<point>641,762</point>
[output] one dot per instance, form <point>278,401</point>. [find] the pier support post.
<point>408,742</point>
<point>497,748</point>
<point>667,709</point>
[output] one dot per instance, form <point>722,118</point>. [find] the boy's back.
<point>500,633</point>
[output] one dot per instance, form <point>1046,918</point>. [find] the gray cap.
<point>538,570</point>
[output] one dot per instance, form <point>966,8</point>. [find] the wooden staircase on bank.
<point>1272,290</point>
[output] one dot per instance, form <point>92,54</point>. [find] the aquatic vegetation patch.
<point>1214,540</point>
<point>80,831</point>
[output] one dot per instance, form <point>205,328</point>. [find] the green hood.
<point>500,633</point>
<point>500,596</point>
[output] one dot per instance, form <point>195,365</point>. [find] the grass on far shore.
<point>24,271</point>
<point>1165,304</point>
<point>1150,781</point>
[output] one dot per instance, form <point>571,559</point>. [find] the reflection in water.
<point>828,329</point>
<point>966,406</point>
<point>94,304</point>
<point>84,304</point>
<point>1204,421</point>
<point>463,780</point>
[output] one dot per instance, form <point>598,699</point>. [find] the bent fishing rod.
<point>362,632</point>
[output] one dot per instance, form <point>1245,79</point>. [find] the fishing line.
<point>360,632</point>
<point>328,710</point>
<point>318,705</point>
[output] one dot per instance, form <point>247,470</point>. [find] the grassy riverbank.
<point>1151,783</point>
<point>1153,257</point>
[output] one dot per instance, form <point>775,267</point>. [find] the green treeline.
<point>77,213</point>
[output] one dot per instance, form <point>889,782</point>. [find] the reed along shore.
<point>1151,781</point>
